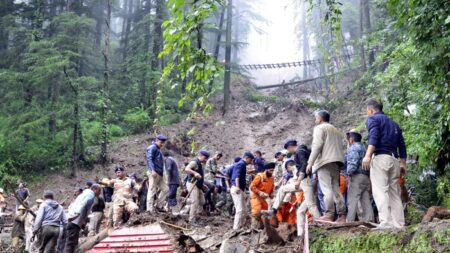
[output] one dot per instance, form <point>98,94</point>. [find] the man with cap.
<point>18,230</point>
<point>261,189</point>
<point>173,179</point>
<point>32,246</point>
<point>359,181</point>
<point>238,185</point>
<point>195,177</point>
<point>278,172</point>
<point>48,220</point>
<point>327,156</point>
<point>123,195</point>
<point>386,159</point>
<point>155,164</point>
<point>78,215</point>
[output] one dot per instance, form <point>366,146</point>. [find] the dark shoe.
<point>341,219</point>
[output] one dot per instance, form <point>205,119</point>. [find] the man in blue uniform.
<point>155,165</point>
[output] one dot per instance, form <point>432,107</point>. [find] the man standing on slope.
<point>155,165</point>
<point>238,185</point>
<point>386,145</point>
<point>327,156</point>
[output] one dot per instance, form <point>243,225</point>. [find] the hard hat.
<point>21,207</point>
<point>39,201</point>
<point>1,190</point>
<point>105,181</point>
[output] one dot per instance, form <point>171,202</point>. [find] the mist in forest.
<point>274,42</point>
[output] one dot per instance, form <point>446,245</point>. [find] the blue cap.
<point>89,183</point>
<point>290,142</point>
<point>204,153</point>
<point>237,159</point>
<point>249,155</point>
<point>161,137</point>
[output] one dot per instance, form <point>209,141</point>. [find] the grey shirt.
<point>50,213</point>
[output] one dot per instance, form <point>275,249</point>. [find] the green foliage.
<point>256,96</point>
<point>137,120</point>
<point>190,63</point>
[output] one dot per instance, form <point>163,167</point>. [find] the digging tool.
<point>18,199</point>
<point>188,194</point>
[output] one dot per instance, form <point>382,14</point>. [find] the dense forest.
<point>77,74</point>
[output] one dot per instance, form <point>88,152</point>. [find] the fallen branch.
<point>436,212</point>
<point>18,199</point>
<point>174,226</point>
<point>92,241</point>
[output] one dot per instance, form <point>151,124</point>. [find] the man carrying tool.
<point>155,164</point>
<point>359,181</point>
<point>327,156</point>
<point>261,189</point>
<point>78,215</point>
<point>48,219</point>
<point>122,198</point>
<point>195,177</point>
<point>173,180</point>
<point>18,230</point>
<point>238,185</point>
<point>386,159</point>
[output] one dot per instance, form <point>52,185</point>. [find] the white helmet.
<point>1,190</point>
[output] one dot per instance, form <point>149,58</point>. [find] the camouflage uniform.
<point>122,199</point>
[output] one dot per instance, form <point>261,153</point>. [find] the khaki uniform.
<point>385,174</point>
<point>196,198</point>
<point>18,230</point>
<point>157,189</point>
<point>122,199</point>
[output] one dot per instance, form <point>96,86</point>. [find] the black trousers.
<point>49,238</point>
<point>72,235</point>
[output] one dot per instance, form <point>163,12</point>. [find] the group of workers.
<point>323,183</point>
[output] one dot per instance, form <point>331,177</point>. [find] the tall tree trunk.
<point>75,125</point>
<point>368,27</point>
<point>147,41</point>
<point>227,78</point>
<point>219,33</point>
<point>99,20</point>
<point>126,33</point>
<point>105,88</point>
<point>361,35</point>
<point>53,97</point>
<point>305,40</point>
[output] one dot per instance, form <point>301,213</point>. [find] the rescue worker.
<point>23,193</point>
<point>95,218</point>
<point>261,189</point>
<point>48,220</point>
<point>359,181</point>
<point>278,172</point>
<point>386,159</point>
<point>173,180</point>
<point>238,185</point>
<point>32,246</point>
<point>211,168</point>
<point>327,156</point>
<point>122,197</point>
<point>78,215</point>
<point>195,177</point>
<point>18,230</point>
<point>155,164</point>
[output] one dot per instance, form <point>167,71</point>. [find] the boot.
<point>325,218</point>
<point>341,219</point>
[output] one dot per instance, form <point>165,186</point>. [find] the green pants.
<point>49,238</point>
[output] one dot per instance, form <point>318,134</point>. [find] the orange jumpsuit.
<point>260,183</point>
<point>283,214</point>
